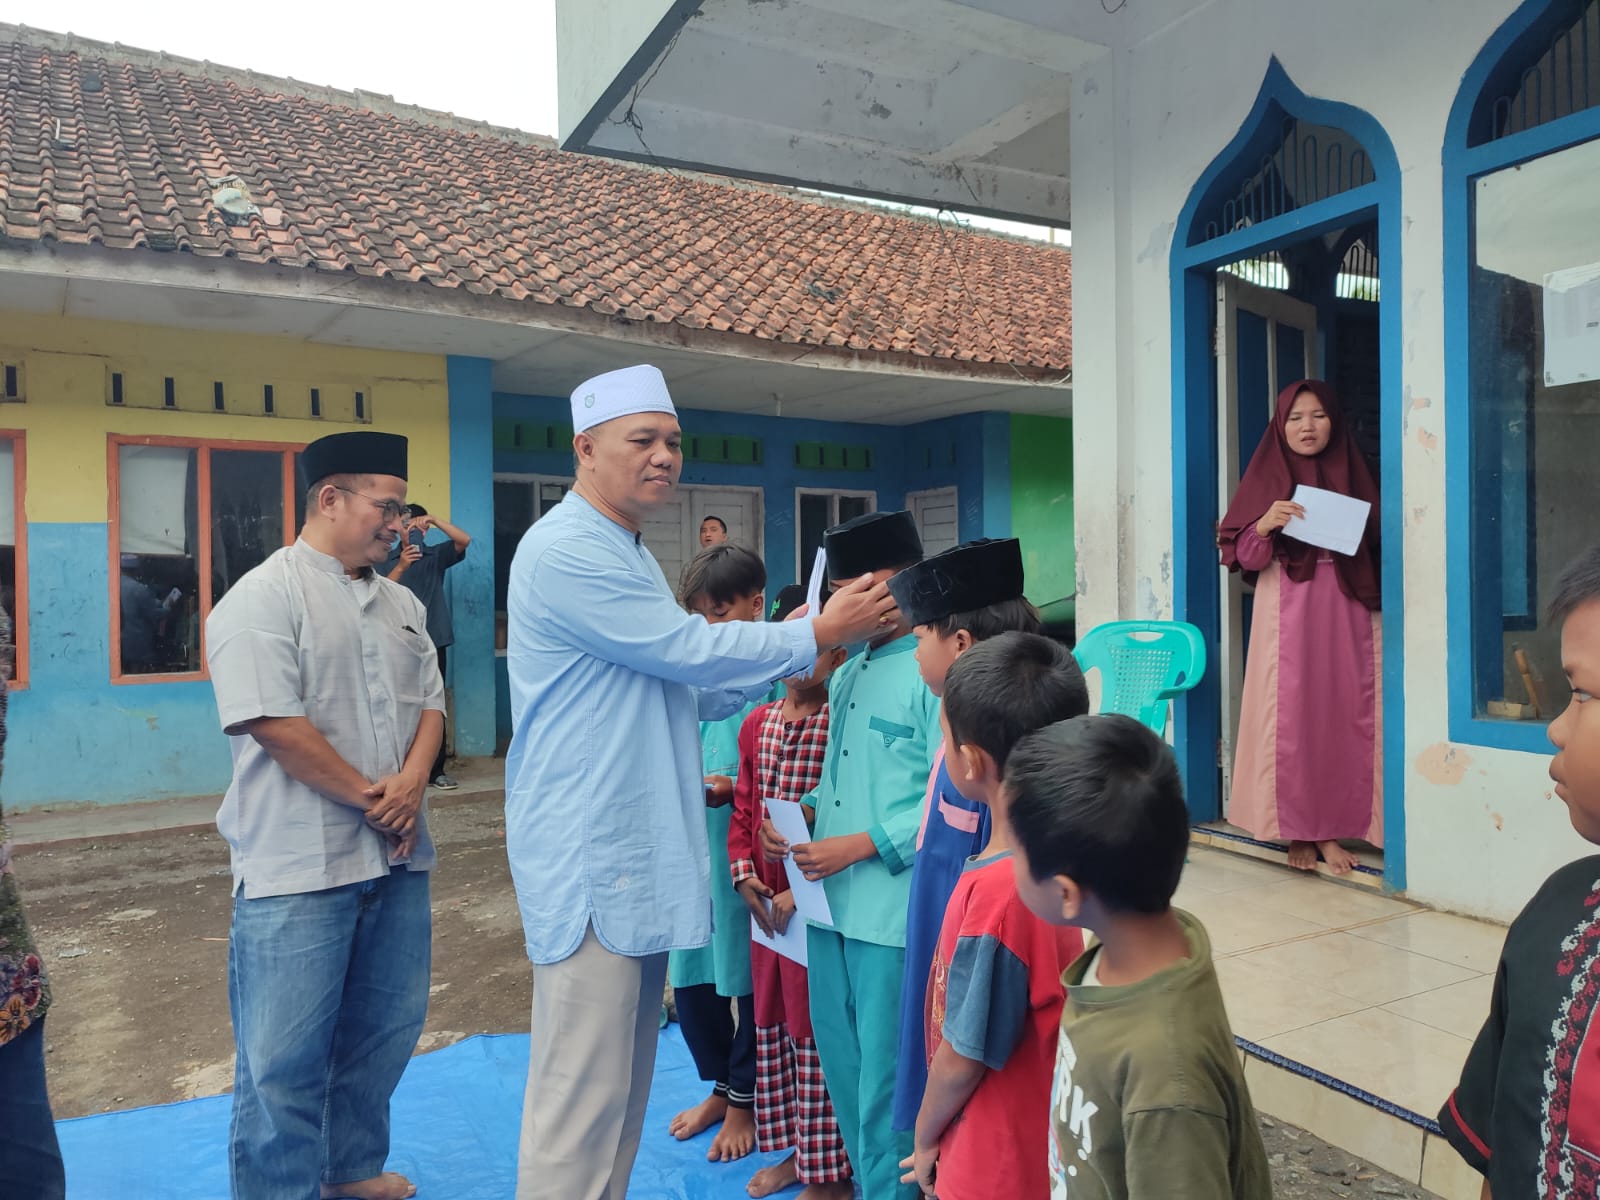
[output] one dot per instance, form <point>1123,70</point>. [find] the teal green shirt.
<point>725,962</point>
<point>883,726</point>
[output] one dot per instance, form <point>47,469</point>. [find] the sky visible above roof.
<point>342,46</point>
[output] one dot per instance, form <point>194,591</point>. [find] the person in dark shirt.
<point>1526,1113</point>
<point>421,567</point>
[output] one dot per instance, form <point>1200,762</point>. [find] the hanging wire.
<point>1114,9</point>
<point>630,116</point>
<point>971,301</point>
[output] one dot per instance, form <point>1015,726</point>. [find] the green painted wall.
<point>1041,504</point>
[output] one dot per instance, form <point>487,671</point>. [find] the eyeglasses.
<point>392,510</point>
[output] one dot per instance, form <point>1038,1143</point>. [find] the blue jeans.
<point>30,1158</point>
<point>328,991</point>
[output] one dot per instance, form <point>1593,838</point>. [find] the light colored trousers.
<point>588,1079</point>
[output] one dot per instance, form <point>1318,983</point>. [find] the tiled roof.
<point>105,146</point>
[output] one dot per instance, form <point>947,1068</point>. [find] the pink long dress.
<point>1309,765</point>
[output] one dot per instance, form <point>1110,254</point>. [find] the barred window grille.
<point>1563,80</point>
<point>1307,163</point>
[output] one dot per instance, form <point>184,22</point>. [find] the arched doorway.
<point>1284,255</point>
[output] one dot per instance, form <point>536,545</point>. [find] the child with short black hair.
<point>1524,1114</point>
<point>781,750</point>
<point>993,992</point>
<point>1149,1098</point>
<point>953,601</point>
<point>723,582</point>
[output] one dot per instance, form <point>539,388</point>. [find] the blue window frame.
<point>1522,243</point>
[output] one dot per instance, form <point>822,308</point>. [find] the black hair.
<point>1099,799</point>
<point>792,597</point>
<point>1009,686</point>
<point>1579,584</point>
<point>983,623</point>
<point>416,510</point>
<point>722,574</point>
<point>718,520</point>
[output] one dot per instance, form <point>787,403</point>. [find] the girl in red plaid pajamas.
<point>781,749</point>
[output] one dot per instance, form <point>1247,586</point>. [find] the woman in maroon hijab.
<point>1309,768</point>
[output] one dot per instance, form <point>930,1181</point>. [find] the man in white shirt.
<point>329,690</point>
<point>605,796</point>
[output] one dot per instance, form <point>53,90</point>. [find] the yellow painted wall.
<point>67,364</point>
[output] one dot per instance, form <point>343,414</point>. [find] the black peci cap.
<point>360,453</point>
<point>870,543</point>
<point>964,579</point>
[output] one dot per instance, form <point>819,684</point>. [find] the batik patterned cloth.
<point>24,989</point>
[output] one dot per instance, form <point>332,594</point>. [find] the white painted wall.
<point>609,33</point>
<point>1483,827</point>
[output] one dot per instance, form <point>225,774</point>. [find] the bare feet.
<point>388,1186</point>
<point>1303,856</point>
<point>827,1191</point>
<point>771,1180</point>
<point>736,1138</point>
<point>692,1122</point>
<point>1340,861</point>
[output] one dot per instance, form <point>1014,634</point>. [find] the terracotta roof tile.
<point>345,188</point>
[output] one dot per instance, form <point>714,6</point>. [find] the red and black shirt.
<point>1526,1113</point>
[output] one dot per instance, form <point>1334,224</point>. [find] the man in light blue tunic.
<point>605,824</point>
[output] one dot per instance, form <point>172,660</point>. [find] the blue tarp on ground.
<point>456,1117</point>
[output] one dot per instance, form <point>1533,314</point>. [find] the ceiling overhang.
<point>940,102</point>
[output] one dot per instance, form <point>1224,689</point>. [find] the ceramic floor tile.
<point>1405,1061</point>
<point>1458,1009</point>
<point>1330,905</point>
<point>1263,1004</point>
<point>1468,943</point>
<point>1446,1174</point>
<point>1215,871</point>
<point>1371,972</point>
<point>1390,1142</point>
<point>1236,925</point>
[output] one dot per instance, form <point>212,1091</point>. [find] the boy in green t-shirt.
<point>1149,1097</point>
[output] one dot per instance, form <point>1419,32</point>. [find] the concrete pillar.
<point>472,657</point>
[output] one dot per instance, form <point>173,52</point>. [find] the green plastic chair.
<point>1143,665</point>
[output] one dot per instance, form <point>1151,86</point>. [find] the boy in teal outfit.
<point>884,723</point>
<point>722,583</point>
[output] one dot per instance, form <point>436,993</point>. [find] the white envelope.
<point>810,898</point>
<point>819,568</point>
<point>791,943</point>
<point>1333,520</point>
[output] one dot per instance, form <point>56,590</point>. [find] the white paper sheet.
<point>819,568</point>
<point>791,943</point>
<point>810,898</point>
<point>1333,521</point>
<point>1572,326</point>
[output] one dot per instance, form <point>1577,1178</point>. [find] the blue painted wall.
<point>73,737</point>
<point>471,660</point>
<point>969,452</point>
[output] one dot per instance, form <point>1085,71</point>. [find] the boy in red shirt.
<point>994,994</point>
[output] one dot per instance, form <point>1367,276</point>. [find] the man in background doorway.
<point>421,568</point>
<point>713,531</point>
